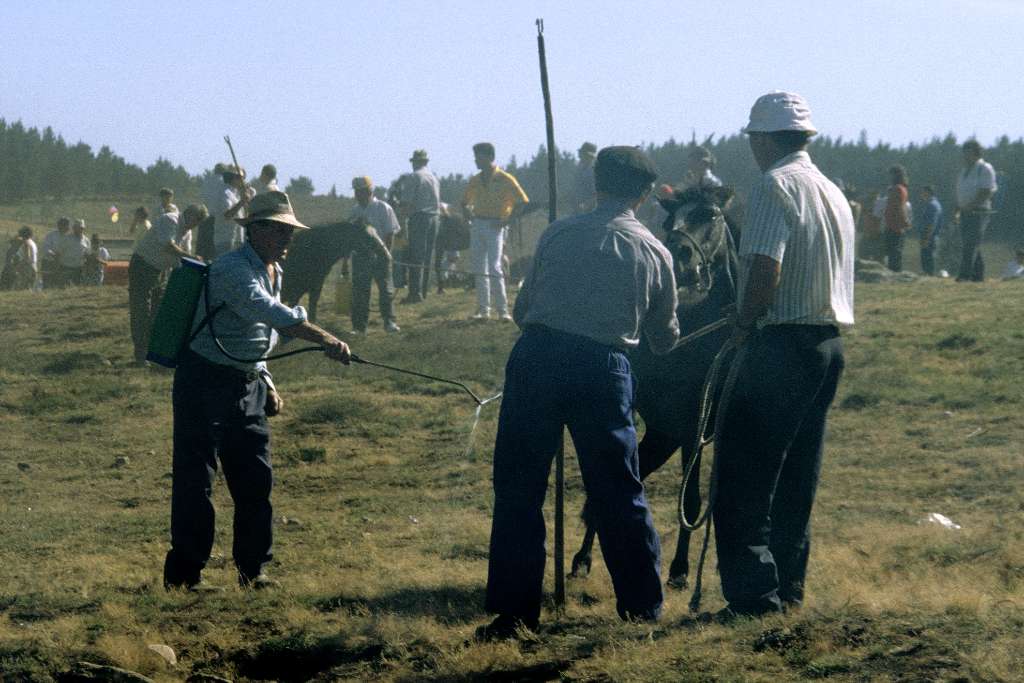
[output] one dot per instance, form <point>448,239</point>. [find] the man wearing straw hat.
<point>796,290</point>
<point>421,201</point>
<point>223,394</point>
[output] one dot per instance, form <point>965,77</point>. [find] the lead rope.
<point>706,405</point>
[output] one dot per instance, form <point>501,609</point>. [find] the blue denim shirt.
<point>252,311</point>
<point>932,215</point>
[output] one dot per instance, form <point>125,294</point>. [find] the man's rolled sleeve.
<point>767,226</point>
<point>661,326</point>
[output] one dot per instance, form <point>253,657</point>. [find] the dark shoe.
<point>412,299</point>
<point>504,627</point>
<point>259,582</point>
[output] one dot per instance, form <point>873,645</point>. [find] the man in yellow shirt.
<point>491,199</point>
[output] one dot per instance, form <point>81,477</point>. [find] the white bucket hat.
<point>779,111</point>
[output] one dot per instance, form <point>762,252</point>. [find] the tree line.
<point>36,164</point>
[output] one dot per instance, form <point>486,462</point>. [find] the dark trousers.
<point>69,276</point>
<point>367,269</point>
<point>145,289</point>
<point>554,379</point>
<point>894,250</point>
<point>218,415</point>
<point>769,459</point>
<point>972,231</point>
<point>422,235</point>
<point>928,257</point>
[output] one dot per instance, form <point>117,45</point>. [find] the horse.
<point>669,386</point>
<point>313,253</point>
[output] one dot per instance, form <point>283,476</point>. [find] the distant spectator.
<point>870,227</point>
<point>584,193</point>
<point>895,219</point>
<point>421,202</point>
<point>167,204</point>
<point>7,274</point>
<point>974,189</point>
<point>929,227</point>
<point>374,264</point>
<point>71,252</point>
<point>228,208</point>
<point>27,267</point>
<point>267,182</point>
<point>213,185</point>
<point>51,273</point>
<point>700,164</point>
<point>1015,268</point>
<point>156,252</point>
<point>95,263</point>
<point>140,222</point>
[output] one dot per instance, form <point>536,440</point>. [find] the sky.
<point>334,89</point>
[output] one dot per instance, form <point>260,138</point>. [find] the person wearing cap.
<point>700,164</point>
<point>369,266</point>
<point>583,190</point>
<point>267,180</point>
<point>796,290</point>
<point>975,186</point>
<point>599,281</point>
<point>492,197</point>
<point>159,250</point>
<point>72,249</point>
<point>223,393</point>
<point>228,209</point>
<point>421,202</point>
<point>50,266</point>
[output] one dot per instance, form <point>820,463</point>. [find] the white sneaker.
<point>392,327</point>
<point>506,317</point>
<point>480,315</point>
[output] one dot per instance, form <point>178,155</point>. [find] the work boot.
<point>504,627</point>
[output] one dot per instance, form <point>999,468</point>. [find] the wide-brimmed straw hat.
<point>272,206</point>
<point>780,111</point>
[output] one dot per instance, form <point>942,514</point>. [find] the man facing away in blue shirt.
<point>929,226</point>
<point>223,394</point>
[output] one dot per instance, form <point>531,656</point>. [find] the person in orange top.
<point>492,197</point>
<point>895,219</point>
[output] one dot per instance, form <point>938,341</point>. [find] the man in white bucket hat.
<point>796,290</point>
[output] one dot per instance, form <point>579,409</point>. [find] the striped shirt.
<point>799,218</point>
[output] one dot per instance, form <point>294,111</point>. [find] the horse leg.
<point>314,299</point>
<point>679,569</point>
<point>655,449</point>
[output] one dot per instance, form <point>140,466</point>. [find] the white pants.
<point>487,244</point>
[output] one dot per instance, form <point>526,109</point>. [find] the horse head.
<point>697,236</point>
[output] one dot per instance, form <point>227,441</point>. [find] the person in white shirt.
<point>167,204</point>
<point>700,164</point>
<point>267,182</point>
<point>227,209</point>
<point>27,261</point>
<point>369,267</point>
<point>51,273</point>
<point>71,252</point>
<point>796,290</point>
<point>975,186</point>
<point>95,266</point>
<point>156,252</point>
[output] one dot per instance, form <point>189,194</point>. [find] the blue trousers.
<point>552,380</point>
<point>769,460</point>
<point>218,416</point>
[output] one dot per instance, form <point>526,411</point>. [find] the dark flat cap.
<point>624,171</point>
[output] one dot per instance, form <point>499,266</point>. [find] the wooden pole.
<point>552,216</point>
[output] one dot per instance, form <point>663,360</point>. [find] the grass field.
<point>382,513</point>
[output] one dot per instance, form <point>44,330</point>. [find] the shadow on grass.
<point>447,604</point>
